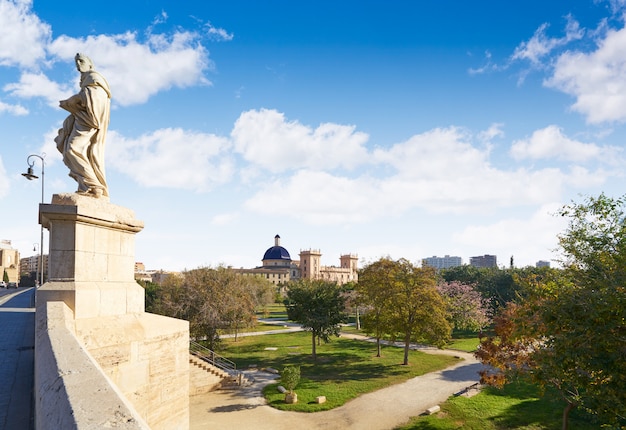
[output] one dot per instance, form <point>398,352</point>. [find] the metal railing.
<point>216,360</point>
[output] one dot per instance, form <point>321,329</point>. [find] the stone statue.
<point>82,138</point>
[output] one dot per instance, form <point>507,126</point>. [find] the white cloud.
<point>437,171</point>
<point>540,45</point>
<point>432,154</point>
<point>579,177</point>
<point>265,138</point>
<point>320,198</point>
<point>550,142</point>
<point>597,79</point>
<point>494,131</point>
<point>38,85</point>
<point>136,70</point>
<point>218,34</point>
<point>617,6</point>
<point>12,109</point>
<point>172,158</point>
<point>23,35</point>
<point>511,236</point>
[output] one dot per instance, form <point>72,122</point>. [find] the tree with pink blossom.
<point>467,309</point>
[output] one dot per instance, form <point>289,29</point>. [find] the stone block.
<point>320,399</point>
<point>433,410</point>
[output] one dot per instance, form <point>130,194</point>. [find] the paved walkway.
<point>17,341</point>
<point>384,409</point>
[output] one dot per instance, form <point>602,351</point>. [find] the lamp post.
<point>30,176</point>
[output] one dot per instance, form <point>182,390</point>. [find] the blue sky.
<point>398,128</point>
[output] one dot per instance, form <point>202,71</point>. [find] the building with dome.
<point>278,267</point>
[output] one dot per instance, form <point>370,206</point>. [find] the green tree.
<point>405,303</point>
<point>5,276</point>
<point>319,307</point>
<point>569,328</point>
<point>247,293</point>
<point>212,300</point>
<point>152,295</point>
<point>497,286</point>
<point>418,310</point>
<point>375,294</point>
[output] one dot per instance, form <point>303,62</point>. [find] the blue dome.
<point>276,253</point>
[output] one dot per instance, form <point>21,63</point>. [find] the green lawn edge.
<point>344,369</point>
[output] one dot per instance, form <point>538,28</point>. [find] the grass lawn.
<point>468,344</point>
<point>517,406</point>
<point>344,368</point>
<point>256,328</point>
<point>274,310</point>
<point>462,341</point>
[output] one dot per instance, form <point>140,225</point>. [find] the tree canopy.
<point>212,300</point>
<point>569,329</point>
<point>405,303</point>
<point>467,309</point>
<point>319,307</point>
<point>376,297</point>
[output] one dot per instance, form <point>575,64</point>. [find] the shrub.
<point>290,377</point>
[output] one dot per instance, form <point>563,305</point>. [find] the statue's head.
<point>83,63</point>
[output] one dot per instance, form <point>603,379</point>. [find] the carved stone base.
<point>91,269</point>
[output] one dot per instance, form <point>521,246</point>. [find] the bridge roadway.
<point>17,358</point>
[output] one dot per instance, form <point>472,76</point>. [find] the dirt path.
<point>384,409</point>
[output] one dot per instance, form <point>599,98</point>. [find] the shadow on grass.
<point>518,405</point>
<point>543,413</point>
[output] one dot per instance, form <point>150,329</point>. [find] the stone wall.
<point>147,358</point>
<point>71,390</point>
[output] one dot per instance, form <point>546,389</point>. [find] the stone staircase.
<point>209,371</point>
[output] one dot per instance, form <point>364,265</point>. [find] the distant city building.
<point>442,262</point>
<point>9,262</point>
<point>542,263</point>
<point>154,276</point>
<point>279,268</point>
<point>484,261</point>
<point>31,265</point>
<point>159,276</point>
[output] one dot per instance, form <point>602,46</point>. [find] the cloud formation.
<point>329,175</point>
<point>24,36</point>
<point>138,67</point>
<point>265,138</point>
<point>595,79</point>
<point>172,158</point>
<point>540,44</point>
<point>551,143</point>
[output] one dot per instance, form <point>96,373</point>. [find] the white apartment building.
<point>444,262</point>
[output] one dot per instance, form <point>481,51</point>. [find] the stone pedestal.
<point>91,269</point>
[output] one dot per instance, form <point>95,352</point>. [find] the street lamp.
<point>30,176</point>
